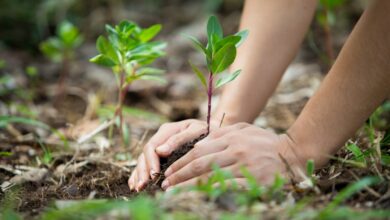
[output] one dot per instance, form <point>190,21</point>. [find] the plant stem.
<point>328,37</point>
<point>121,98</point>
<point>209,97</point>
<point>63,77</point>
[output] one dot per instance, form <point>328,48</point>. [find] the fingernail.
<point>130,186</point>
<point>163,149</point>
<point>168,172</point>
<point>140,184</point>
<point>165,184</point>
<point>152,174</point>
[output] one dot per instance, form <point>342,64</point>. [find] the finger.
<point>162,135</point>
<point>199,167</point>
<point>199,150</point>
<point>179,139</point>
<point>142,172</point>
<point>232,169</point>
<point>135,180</point>
<point>224,130</point>
<point>131,179</point>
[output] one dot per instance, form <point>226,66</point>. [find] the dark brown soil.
<point>95,180</point>
<point>168,161</point>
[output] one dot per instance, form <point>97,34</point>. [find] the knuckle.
<point>241,125</point>
<point>239,153</point>
<point>174,141</point>
<point>214,135</point>
<point>195,153</point>
<point>231,137</point>
<point>165,126</point>
<point>191,121</point>
<point>196,166</point>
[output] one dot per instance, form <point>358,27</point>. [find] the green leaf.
<point>243,34</point>
<point>5,154</point>
<point>227,79</point>
<point>113,36</point>
<point>358,154</point>
<point>197,44</point>
<point>7,119</point>
<point>31,71</point>
<point>229,39</point>
<point>150,33</point>
<point>149,71</point>
<point>154,78</point>
<point>105,48</point>
<point>351,190</point>
<point>103,60</point>
<point>223,58</point>
<point>385,159</point>
<point>52,49</point>
<point>126,134</point>
<point>199,74</point>
<point>214,27</point>
<point>310,168</point>
<point>69,34</point>
<point>213,43</point>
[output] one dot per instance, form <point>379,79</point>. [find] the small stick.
<point>223,117</point>
<point>103,126</point>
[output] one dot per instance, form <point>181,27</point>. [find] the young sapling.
<point>128,50</point>
<point>61,49</point>
<point>220,52</point>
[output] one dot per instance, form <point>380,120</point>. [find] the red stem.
<point>209,96</point>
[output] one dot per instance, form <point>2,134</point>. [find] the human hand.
<point>169,137</point>
<point>262,152</point>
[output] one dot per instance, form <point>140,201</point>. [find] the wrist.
<point>224,118</point>
<point>305,148</point>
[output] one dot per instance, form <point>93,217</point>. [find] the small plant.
<point>220,52</point>
<point>128,50</point>
<point>61,49</point>
<point>326,17</point>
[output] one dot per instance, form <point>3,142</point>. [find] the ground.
<point>52,167</point>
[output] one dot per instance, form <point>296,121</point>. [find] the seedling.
<point>326,17</point>
<point>220,53</point>
<point>61,49</point>
<point>127,51</point>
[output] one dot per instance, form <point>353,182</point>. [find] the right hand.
<point>168,138</point>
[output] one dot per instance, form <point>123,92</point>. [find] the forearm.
<point>276,29</point>
<point>357,83</point>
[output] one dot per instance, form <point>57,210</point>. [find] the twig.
<point>369,189</point>
<point>102,127</point>
<point>223,117</point>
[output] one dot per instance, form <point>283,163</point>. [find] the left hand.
<point>233,147</point>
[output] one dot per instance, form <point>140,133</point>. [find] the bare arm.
<point>276,29</point>
<point>357,83</point>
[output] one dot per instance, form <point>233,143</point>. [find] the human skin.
<point>265,54</point>
<point>356,84</point>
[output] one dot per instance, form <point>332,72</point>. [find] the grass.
<point>278,200</point>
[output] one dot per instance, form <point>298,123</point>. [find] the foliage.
<point>220,52</point>
<point>128,50</point>
<point>9,119</point>
<point>141,208</point>
<point>62,46</point>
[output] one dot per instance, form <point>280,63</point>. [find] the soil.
<point>168,161</point>
<point>94,180</point>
